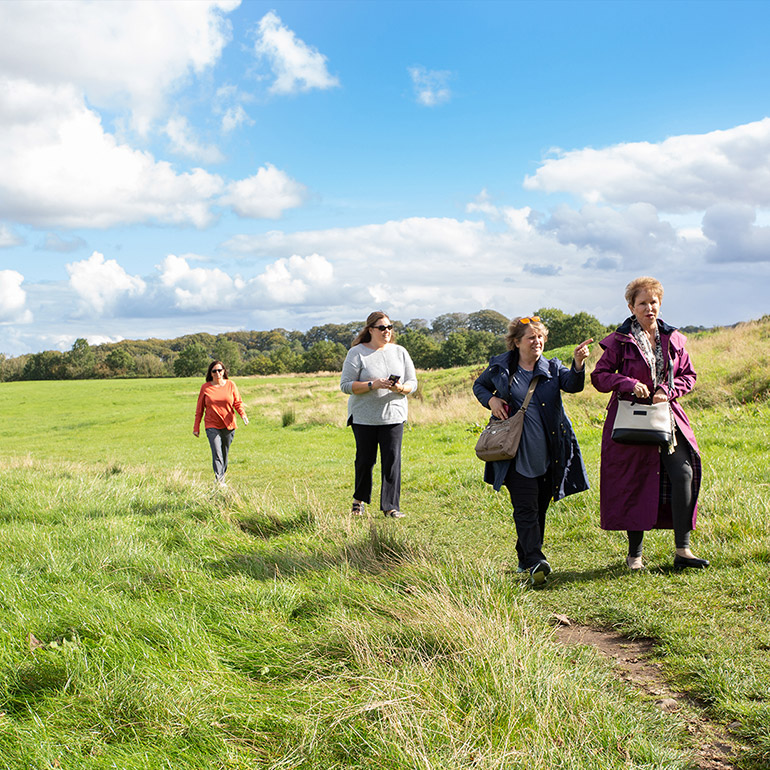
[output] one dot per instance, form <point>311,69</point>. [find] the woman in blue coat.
<point>548,464</point>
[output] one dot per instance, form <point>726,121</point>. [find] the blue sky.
<point>173,167</point>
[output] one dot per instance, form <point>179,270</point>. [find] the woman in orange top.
<point>220,400</point>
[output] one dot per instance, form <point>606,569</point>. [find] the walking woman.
<point>646,487</point>
<point>548,464</point>
<point>377,375</point>
<point>220,400</point>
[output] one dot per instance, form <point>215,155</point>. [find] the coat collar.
<point>663,327</point>
<point>509,359</point>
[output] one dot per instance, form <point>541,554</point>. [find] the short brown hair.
<point>517,327</point>
<point>642,283</point>
<point>365,335</point>
<point>210,376</point>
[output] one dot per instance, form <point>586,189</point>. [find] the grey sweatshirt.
<point>377,407</point>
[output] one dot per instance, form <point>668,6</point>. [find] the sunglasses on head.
<point>531,319</point>
<point>383,328</point>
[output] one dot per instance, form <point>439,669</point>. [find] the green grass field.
<point>147,622</point>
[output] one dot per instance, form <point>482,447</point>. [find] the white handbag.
<point>637,423</point>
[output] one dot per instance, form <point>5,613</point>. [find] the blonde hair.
<point>365,335</point>
<point>516,330</point>
<point>642,283</point>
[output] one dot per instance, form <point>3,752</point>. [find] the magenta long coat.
<point>635,493</point>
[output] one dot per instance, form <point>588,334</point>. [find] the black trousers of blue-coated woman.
<point>530,498</point>
<point>388,438</point>
<point>678,467</point>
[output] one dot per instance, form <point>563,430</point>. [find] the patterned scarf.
<point>657,364</point>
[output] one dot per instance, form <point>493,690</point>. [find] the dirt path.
<point>716,748</point>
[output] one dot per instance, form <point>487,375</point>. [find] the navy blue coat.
<point>568,470</point>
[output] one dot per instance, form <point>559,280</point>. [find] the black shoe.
<point>539,572</point>
<point>685,562</point>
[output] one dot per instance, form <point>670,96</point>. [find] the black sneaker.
<point>539,573</point>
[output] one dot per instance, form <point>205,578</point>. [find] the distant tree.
<point>288,358</point>
<point>447,323</point>
<point>81,359</point>
<point>191,361</point>
<point>120,362</point>
<point>228,353</point>
<point>418,325</point>
<point>12,369</point>
<point>423,349</point>
<point>573,329</point>
<point>488,321</point>
<point>48,365</point>
<point>148,365</point>
<point>342,333</point>
<point>325,356</point>
<point>550,316</point>
<point>454,350</point>
<point>260,364</point>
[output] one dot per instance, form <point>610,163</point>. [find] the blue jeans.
<point>219,440</point>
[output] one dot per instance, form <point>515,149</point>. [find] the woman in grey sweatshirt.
<point>377,374</point>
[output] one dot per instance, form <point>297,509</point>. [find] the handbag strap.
<point>530,390</point>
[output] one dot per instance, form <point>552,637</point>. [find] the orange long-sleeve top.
<point>220,403</point>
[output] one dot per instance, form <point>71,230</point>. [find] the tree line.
<point>451,339</point>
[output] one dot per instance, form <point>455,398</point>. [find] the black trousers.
<point>530,499</point>
<point>388,438</point>
<point>678,467</point>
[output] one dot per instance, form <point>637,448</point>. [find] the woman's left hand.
<point>659,397</point>
<point>581,353</point>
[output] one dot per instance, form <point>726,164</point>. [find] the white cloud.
<point>9,238</point>
<point>198,288</point>
<point>430,86</point>
<point>296,280</point>
<point>680,174</point>
<point>101,285</point>
<point>130,54</point>
<point>296,65</point>
<point>183,142</point>
<point>60,169</point>
<point>736,238</point>
<point>13,298</point>
<point>516,219</point>
<point>266,195</point>
<point>235,117</point>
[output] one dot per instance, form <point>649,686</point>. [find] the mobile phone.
<point>394,378</point>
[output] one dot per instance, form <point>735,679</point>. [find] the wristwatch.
<point>370,383</point>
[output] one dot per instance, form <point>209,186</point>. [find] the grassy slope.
<point>266,629</point>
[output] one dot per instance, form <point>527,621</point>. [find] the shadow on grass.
<point>267,525</point>
<point>379,550</point>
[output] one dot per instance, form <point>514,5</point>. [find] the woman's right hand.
<point>499,408</point>
<point>381,383</point>
<point>641,390</point>
<point>196,433</point>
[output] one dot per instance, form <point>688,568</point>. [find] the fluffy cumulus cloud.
<point>735,236</point>
<point>130,54</point>
<point>680,174</point>
<point>296,65</point>
<point>197,288</point>
<point>101,285</point>
<point>431,87</point>
<point>184,142</point>
<point>266,195</point>
<point>13,298</point>
<point>296,280</point>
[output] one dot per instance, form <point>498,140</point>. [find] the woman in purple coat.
<point>647,487</point>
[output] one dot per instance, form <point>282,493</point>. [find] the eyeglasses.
<point>383,328</point>
<point>531,319</point>
<point>214,371</point>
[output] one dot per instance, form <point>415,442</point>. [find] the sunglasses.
<point>531,319</point>
<point>216,370</point>
<point>383,328</point>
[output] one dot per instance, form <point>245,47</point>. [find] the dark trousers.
<point>388,438</point>
<point>678,468</point>
<point>530,499</point>
<point>219,440</point>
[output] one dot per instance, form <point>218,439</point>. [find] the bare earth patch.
<point>717,749</point>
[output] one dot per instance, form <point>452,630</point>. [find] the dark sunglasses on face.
<point>216,370</point>
<point>383,328</point>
